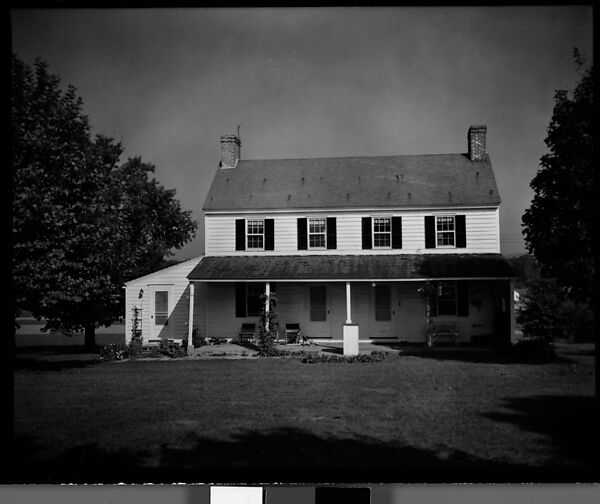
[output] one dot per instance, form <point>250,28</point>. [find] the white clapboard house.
<point>345,243</point>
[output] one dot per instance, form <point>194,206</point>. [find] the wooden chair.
<point>292,333</point>
<point>437,331</point>
<point>247,333</point>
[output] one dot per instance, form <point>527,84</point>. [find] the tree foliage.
<point>83,224</point>
<point>558,225</point>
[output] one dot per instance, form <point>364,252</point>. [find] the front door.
<point>318,312</point>
<point>383,312</point>
<point>161,308</point>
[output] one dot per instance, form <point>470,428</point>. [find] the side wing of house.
<point>158,304</point>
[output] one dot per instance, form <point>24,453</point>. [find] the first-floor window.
<point>253,302</point>
<point>382,232</point>
<point>446,298</point>
<point>445,229</point>
<point>316,233</point>
<point>255,234</point>
<point>318,303</point>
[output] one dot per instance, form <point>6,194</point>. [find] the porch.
<point>378,295</point>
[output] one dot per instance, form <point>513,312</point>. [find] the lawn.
<point>440,417</point>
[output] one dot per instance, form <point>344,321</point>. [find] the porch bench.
<point>156,342</point>
<point>438,331</point>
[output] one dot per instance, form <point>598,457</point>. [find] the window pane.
<point>446,298</point>
<point>381,225</point>
<point>255,226</point>
<point>161,307</point>
<point>445,223</point>
<point>316,226</point>
<point>318,306</point>
<point>161,301</point>
<point>316,240</point>
<point>383,302</point>
<point>381,239</point>
<point>255,241</point>
<point>445,238</point>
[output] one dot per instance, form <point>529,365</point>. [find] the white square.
<point>236,495</point>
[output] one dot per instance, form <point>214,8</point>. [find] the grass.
<point>406,418</point>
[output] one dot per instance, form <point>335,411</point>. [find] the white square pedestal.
<point>350,339</point>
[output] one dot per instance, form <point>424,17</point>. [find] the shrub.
<point>114,351</point>
<point>268,323</point>
<point>171,349</point>
<point>314,357</point>
<point>135,348</point>
<point>547,314</point>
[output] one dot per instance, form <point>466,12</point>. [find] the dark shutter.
<point>366,233</point>
<point>461,231</point>
<point>302,234</point>
<point>240,300</point>
<point>240,234</point>
<point>331,233</point>
<point>462,293</point>
<point>269,234</point>
<point>396,232</point>
<point>429,231</point>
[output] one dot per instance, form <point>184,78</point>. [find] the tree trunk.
<point>90,336</point>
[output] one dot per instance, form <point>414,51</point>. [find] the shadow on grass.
<point>569,424</point>
<point>475,354</point>
<point>280,455</point>
<point>54,358</point>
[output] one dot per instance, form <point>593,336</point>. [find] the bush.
<point>171,349</point>
<point>547,314</point>
<point>533,347</point>
<point>314,358</point>
<point>114,351</point>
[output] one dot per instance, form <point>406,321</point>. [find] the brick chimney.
<point>476,142</point>
<point>230,151</point>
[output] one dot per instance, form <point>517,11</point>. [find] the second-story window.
<point>316,233</point>
<point>445,231</point>
<point>255,234</point>
<point>382,232</point>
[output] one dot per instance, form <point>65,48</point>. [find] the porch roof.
<point>351,267</point>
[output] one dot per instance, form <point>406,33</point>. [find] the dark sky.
<point>316,82</point>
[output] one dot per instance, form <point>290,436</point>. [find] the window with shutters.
<point>253,302</point>
<point>445,231</point>
<point>317,231</point>
<point>446,298</point>
<point>255,234</point>
<point>382,232</point>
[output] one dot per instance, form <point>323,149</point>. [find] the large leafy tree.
<point>82,222</point>
<point>558,225</point>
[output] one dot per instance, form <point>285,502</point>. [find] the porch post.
<point>348,304</point>
<point>267,294</point>
<point>350,330</point>
<point>190,347</point>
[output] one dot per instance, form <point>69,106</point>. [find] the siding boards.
<point>480,227</point>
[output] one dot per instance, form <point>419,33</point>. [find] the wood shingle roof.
<point>437,180</point>
<point>351,267</point>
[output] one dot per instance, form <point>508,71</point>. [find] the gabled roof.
<point>351,267</point>
<point>438,180</point>
<point>182,268</point>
